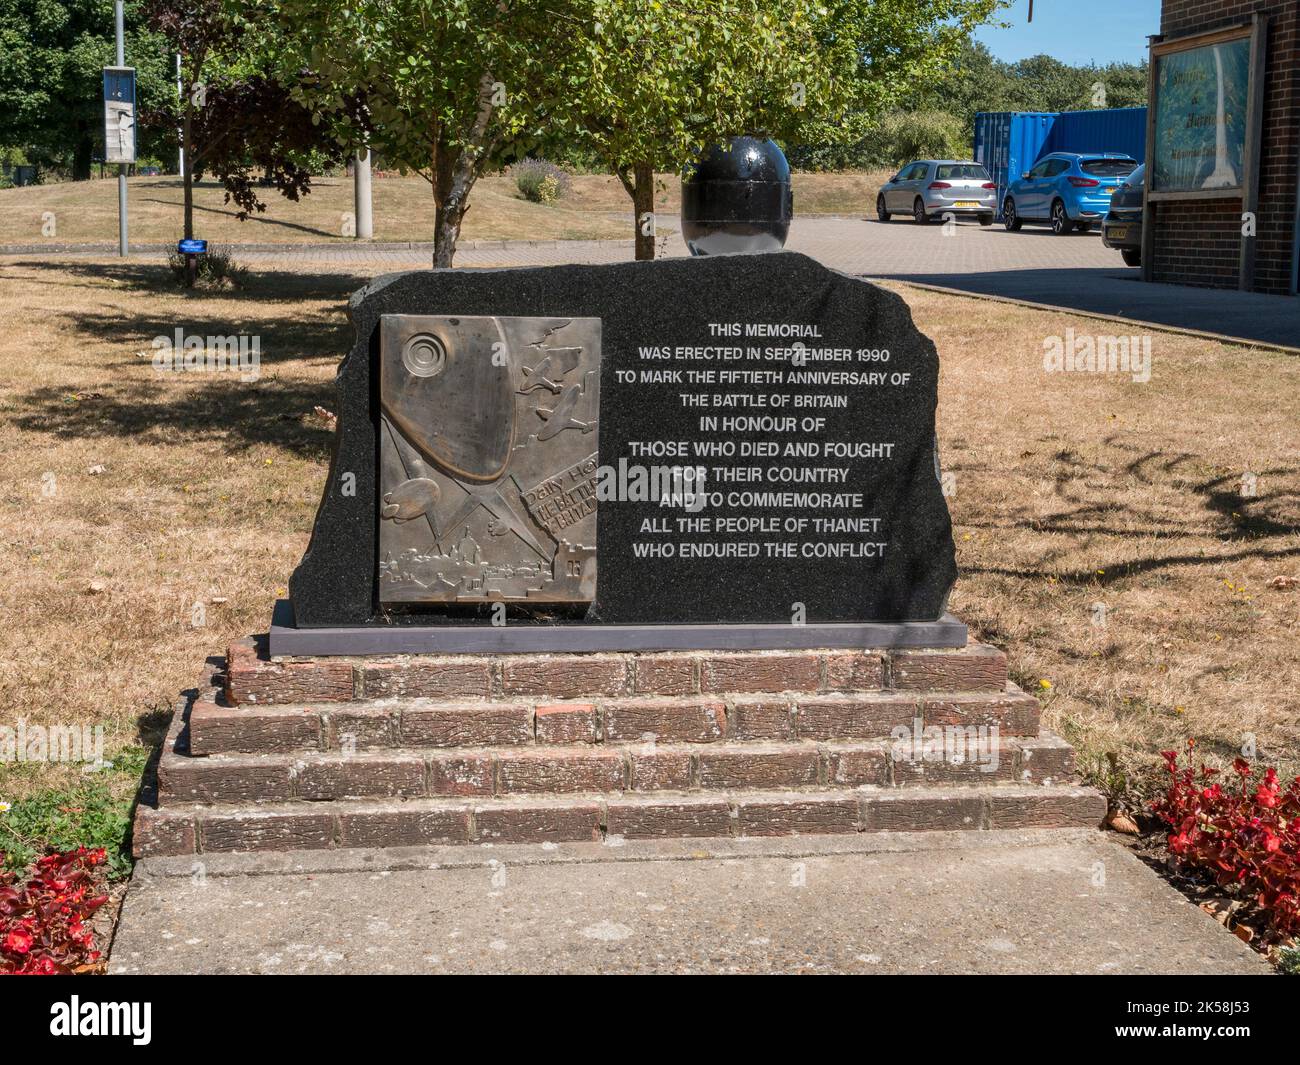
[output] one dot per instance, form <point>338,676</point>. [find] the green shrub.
<point>539,181</point>
<point>216,270</point>
<point>895,139</point>
<point>907,135</point>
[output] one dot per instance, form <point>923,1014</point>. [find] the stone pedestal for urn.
<point>738,199</point>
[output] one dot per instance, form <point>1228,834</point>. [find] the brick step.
<point>218,728</point>
<point>194,829</point>
<point>321,776</point>
<point>254,678</point>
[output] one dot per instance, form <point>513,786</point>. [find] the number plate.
<point>966,203</point>
<point>1117,232</point>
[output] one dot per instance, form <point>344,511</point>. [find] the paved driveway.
<point>1071,273</point>
<point>1075,272</point>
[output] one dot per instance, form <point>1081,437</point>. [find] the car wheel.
<point>918,213</point>
<point>1132,256</point>
<point>1009,217</point>
<point>986,219</point>
<point>1061,224</point>
<point>881,214</point>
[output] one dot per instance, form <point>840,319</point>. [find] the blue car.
<point>1066,190</point>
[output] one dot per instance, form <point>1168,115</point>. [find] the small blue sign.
<point>192,247</point>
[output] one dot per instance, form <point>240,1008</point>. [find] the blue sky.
<point>1075,31</point>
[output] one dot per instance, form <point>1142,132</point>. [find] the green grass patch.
<point>94,812</point>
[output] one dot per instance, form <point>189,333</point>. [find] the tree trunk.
<point>455,174</point>
<point>447,232</point>
<point>81,157</point>
<point>451,211</point>
<point>643,210</point>
<point>444,234</point>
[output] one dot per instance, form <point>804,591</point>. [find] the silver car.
<point>934,188</point>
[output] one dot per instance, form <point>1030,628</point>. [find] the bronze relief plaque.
<point>488,459</point>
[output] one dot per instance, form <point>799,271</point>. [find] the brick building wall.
<point>1199,242</point>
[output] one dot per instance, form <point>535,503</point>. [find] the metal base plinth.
<point>287,639</point>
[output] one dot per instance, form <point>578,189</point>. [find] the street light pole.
<point>118,21</point>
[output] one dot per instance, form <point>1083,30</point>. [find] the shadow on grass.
<point>225,409</point>
<point>260,286</point>
<point>269,410</point>
<point>233,215</point>
<point>1255,522</point>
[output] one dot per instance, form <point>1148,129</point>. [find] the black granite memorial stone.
<point>730,440</point>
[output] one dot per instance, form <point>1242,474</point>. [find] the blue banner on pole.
<point>119,114</point>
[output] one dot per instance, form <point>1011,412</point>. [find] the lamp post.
<point>118,20</point>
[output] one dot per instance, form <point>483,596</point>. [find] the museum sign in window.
<point>1201,101</point>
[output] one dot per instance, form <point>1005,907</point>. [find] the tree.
<point>251,131</point>
<point>52,53</point>
<point>1042,83</point>
<point>199,33</point>
<point>235,118</point>
<point>975,81</point>
<point>447,84</point>
<point>664,80</point>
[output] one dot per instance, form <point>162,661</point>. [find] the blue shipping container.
<point>1010,142</point>
<point>1114,129</point>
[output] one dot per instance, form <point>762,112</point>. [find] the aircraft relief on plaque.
<point>488,459</point>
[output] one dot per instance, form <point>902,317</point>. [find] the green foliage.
<point>52,53</point>
<point>976,81</point>
<point>424,68</point>
<point>907,135</point>
<point>898,138</point>
<point>663,81</point>
<point>88,815</point>
<point>569,153</point>
<point>936,112</point>
<point>452,86</point>
<point>1288,961</point>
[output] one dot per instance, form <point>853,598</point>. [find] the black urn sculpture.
<point>737,198</point>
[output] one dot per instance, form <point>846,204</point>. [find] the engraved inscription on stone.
<point>488,459</point>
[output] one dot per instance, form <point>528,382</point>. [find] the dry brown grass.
<point>1074,490</point>
<point>595,208</point>
<point>207,490</point>
<point>1070,491</point>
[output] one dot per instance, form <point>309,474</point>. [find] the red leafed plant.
<point>1247,837</point>
<point>44,922</point>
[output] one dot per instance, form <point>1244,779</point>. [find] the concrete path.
<point>1059,901</point>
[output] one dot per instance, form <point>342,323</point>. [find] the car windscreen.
<point>1107,167</point>
<point>958,171</point>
